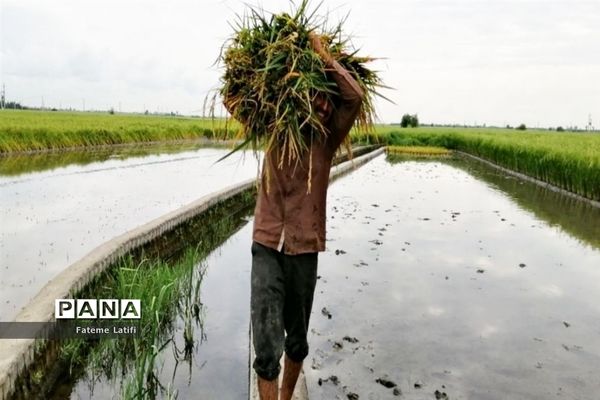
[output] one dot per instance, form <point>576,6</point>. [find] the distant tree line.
<point>13,105</point>
<point>409,121</point>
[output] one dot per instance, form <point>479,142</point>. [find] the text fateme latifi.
<point>95,330</point>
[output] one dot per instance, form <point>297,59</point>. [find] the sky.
<point>471,62</point>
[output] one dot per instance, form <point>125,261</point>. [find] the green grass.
<point>168,290</point>
<point>165,290</point>
<point>166,275</point>
<point>25,130</point>
<point>418,150</point>
<point>567,160</point>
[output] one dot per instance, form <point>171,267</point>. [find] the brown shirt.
<point>287,216</point>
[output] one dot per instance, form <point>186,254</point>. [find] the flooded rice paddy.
<point>217,368</point>
<point>55,208</point>
<point>442,279</point>
<point>448,280</point>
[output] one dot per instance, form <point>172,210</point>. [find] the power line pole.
<point>3,97</point>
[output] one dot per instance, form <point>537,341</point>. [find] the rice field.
<point>569,160</point>
<point>134,367</point>
<point>418,150</point>
<point>25,130</point>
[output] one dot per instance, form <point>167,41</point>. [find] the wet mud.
<point>454,284</point>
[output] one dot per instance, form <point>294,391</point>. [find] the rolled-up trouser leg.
<point>282,290</point>
<point>267,296</point>
<point>301,278</point>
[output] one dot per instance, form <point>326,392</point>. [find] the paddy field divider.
<point>301,390</point>
<point>17,355</point>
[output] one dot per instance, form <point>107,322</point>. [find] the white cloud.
<point>492,62</point>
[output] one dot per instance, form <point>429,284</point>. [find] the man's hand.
<point>317,46</point>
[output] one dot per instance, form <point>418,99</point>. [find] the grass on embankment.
<point>168,291</point>
<point>166,275</point>
<point>28,130</point>
<point>418,150</point>
<point>568,160</point>
<point>165,291</point>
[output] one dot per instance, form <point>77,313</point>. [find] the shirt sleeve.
<point>351,96</point>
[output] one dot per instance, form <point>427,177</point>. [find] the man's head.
<point>322,107</point>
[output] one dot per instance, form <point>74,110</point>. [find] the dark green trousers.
<point>282,290</point>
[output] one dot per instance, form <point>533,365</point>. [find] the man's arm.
<point>351,95</point>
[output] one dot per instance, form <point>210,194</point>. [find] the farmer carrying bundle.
<point>297,94</point>
<point>275,76</point>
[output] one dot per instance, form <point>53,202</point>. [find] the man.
<point>289,231</point>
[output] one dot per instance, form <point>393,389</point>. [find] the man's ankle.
<point>268,390</point>
<point>291,370</point>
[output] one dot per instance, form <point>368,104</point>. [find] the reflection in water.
<point>447,283</point>
<point>451,282</point>
<point>176,343</point>
<point>216,366</point>
<point>51,219</point>
<point>18,164</point>
<point>172,322</point>
<point>575,217</point>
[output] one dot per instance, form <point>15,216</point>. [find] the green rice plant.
<point>362,137</point>
<point>273,75</point>
<point>166,291</point>
<point>578,219</point>
<point>169,290</point>
<point>418,150</point>
<point>568,160</point>
<point>14,164</point>
<point>29,130</point>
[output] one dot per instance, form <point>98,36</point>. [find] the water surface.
<point>439,275</point>
<point>218,366</point>
<point>52,218</point>
<point>455,278</point>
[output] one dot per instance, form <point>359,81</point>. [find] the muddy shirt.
<point>288,217</point>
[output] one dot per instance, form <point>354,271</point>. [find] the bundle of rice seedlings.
<point>272,76</point>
